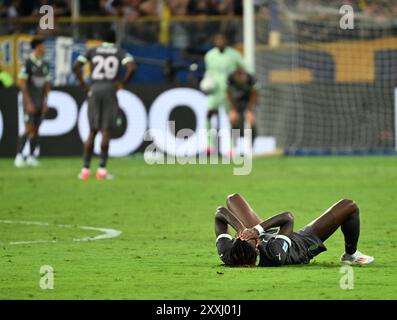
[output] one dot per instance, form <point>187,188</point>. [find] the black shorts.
<point>103,109</point>
<point>311,242</point>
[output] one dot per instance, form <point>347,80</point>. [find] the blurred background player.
<point>220,62</point>
<point>34,82</point>
<point>105,62</point>
<point>242,97</point>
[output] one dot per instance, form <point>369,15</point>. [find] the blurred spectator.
<point>129,8</point>
<point>20,8</point>
<point>215,7</point>
<point>139,8</point>
<point>9,8</point>
<point>178,7</point>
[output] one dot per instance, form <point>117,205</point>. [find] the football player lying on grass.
<point>258,243</point>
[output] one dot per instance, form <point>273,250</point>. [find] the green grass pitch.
<point>167,248</point>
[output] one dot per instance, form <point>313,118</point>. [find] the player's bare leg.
<point>212,145</point>
<point>243,211</point>
<point>19,160</point>
<point>234,119</point>
<point>251,121</point>
<point>346,215</point>
<point>88,152</point>
<point>33,140</point>
<point>102,173</point>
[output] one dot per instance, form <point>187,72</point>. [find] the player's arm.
<point>275,251</point>
<point>252,100</point>
<point>131,68</point>
<point>127,60</point>
<point>233,114</point>
<point>284,221</point>
<point>47,89</point>
<point>223,218</point>
<point>23,86</point>
<point>224,241</point>
<point>250,112</point>
<point>229,95</point>
<point>209,66</point>
<point>77,69</point>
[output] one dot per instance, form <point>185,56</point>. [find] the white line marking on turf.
<point>107,233</point>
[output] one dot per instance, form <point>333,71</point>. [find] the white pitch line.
<point>25,222</point>
<point>14,243</point>
<point>107,232</point>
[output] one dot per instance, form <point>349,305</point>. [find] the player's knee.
<point>92,135</point>
<point>33,133</point>
<point>351,204</point>
<point>29,129</point>
<point>219,209</point>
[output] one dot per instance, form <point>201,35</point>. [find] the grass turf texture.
<point>167,249</point>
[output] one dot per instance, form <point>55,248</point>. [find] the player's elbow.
<point>77,67</point>
<point>232,197</point>
<point>289,216</point>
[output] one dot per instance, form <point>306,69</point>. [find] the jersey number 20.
<point>106,68</point>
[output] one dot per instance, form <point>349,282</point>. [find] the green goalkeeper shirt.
<point>219,65</point>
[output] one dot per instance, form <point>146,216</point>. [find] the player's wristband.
<point>259,229</point>
<point>224,235</point>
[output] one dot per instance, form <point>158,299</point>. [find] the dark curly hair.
<point>36,42</point>
<point>242,254</point>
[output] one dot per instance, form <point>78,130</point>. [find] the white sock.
<point>351,255</point>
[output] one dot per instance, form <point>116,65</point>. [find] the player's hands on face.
<point>233,116</point>
<point>250,116</point>
<point>249,234</point>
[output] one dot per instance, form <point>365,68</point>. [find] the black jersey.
<point>105,62</point>
<point>241,92</point>
<point>278,250</point>
<point>37,73</point>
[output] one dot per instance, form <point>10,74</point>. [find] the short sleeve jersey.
<point>37,73</point>
<point>105,62</point>
<point>219,65</point>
